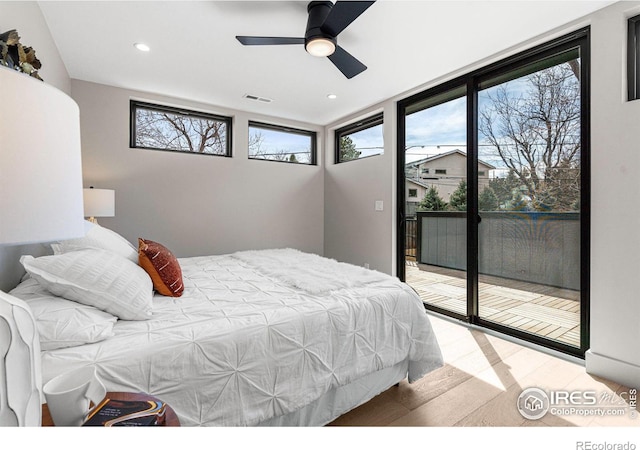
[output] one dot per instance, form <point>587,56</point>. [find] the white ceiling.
<point>194,54</point>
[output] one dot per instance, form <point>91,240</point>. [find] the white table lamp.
<point>40,163</point>
<point>40,201</point>
<point>99,203</point>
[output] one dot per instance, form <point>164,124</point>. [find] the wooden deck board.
<point>542,310</point>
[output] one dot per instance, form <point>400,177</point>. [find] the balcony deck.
<point>546,311</point>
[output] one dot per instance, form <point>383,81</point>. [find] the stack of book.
<point>126,413</point>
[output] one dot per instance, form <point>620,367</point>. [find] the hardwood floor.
<point>479,386</point>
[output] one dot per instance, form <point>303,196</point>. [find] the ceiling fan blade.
<point>347,64</point>
<point>263,40</point>
<point>342,14</point>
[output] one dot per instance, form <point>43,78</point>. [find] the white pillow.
<point>96,278</point>
<point>63,323</point>
<point>97,236</point>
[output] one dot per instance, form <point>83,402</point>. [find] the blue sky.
<point>443,127</point>
<point>369,142</point>
<point>277,141</point>
<point>435,130</point>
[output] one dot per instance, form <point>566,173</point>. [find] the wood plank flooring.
<point>479,384</point>
<point>543,310</point>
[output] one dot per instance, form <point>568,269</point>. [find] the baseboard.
<point>624,373</point>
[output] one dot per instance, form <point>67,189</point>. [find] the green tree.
<point>518,202</point>
<point>503,188</point>
<point>488,200</point>
<point>458,200</point>
<point>563,184</point>
<point>292,158</point>
<point>348,149</point>
<point>544,201</point>
<point>432,201</point>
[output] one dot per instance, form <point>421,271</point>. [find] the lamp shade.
<point>99,202</point>
<point>40,162</point>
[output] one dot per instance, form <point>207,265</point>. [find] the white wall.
<point>615,240</point>
<point>197,204</point>
<point>355,233</point>
<point>27,19</point>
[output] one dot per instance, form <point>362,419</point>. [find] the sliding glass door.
<point>435,185</point>
<point>494,194</point>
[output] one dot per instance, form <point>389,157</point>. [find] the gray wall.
<point>354,231</point>
<point>197,204</point>
<point>26,18</point>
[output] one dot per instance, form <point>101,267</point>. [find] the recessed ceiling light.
<point>332,96</point>
<point>142,47</point>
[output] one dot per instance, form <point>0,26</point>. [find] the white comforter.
<point>260,334</point>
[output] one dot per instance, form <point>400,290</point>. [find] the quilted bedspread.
<point>260,334</point>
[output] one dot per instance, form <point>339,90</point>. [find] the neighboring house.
<point>415,191</point>
<point>444,172</point>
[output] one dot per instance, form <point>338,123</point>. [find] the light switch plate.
<point>379,205</point>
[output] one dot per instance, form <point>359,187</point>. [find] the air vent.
<point>258,99</point>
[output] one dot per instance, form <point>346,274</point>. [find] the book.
<point>127,413</point>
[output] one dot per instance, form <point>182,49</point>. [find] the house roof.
<point>442,155</point>
<point>418,182</point>
<point>195,55</point>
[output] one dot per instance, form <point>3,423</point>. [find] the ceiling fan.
<point>325,22</point>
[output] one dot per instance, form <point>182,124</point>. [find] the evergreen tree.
<point>348,149</point>
<point>458,200</point>
<point>487,200</point>
<point>503,188</point>
<point>432,201</point>
<point>292,158</point>
<point>544,201</point>
<point>518,202</point>
<point>575,206</point>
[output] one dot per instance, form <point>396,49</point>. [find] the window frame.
<point>633,58</point>
<point>360,125</point>
<point>413,191</point>
<point>313,157</point>
<point>135,104</point>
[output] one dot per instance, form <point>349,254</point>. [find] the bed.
<point>254,338</point>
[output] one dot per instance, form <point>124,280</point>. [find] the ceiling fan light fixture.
<point>320,47</point>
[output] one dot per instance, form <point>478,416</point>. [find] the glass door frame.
<point>577,39</point>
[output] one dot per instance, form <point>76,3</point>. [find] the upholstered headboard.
<point>11,271</point>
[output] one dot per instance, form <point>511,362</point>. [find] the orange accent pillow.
<point>162,267</point>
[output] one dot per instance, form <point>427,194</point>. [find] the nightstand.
<point>171,417</point>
